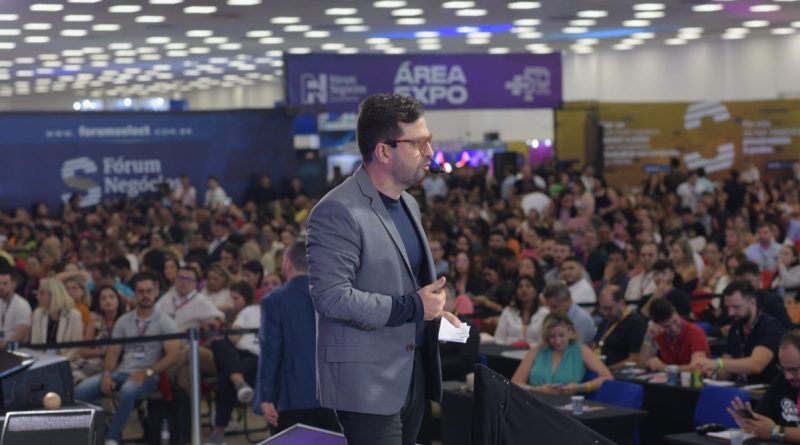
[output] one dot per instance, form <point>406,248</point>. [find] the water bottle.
<point>165,432</point>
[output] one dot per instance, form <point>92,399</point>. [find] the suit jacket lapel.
<point>368,189</point>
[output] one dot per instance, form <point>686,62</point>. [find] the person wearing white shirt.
<point>690,191</point>
<point>522,320</point>
<point>571,272</point>
<point>15,312</point>
<point>215,198</point>
<point>187,307</point>
<point>216,290</point>
<point>643,283</point>
<point>185,193</point>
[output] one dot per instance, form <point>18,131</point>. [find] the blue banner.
<point>49,156</point>
<point>333,82</point>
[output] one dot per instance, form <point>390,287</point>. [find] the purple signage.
<point>332,82</point>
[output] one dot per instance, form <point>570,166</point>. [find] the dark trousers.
<point>317,417</point>
<point>397,429</point>
<point>230,360</point>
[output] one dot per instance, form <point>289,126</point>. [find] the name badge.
<point>138,352</point>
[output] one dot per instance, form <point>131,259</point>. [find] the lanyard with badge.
<point>610,330</point>
<point>177,306</point>
<point>6,307</point>
<point>138,350</point>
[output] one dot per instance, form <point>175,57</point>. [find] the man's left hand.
<point>137,378</point>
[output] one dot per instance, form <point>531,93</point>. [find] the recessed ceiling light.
<point>177,53</point>
<point>201,33</point>
<point>124,9</point>
<point>644,35</point>
<point>356,28</point>
<point>471,12</point>
<point>8,17</point>
<point>341,11</point>
<point>622,47</point>
<point>430,47</point>
<point>395,51</point>
<point>458,5</point>
<point>348,51</point>
<point>199,9</point>
<point>467,29</point>
<point>636,23</point>
<point>499,50</point>
<point>737,31</point>
<point>707,7</point>
<point>215,40</point>
<point>389,4</point>
<point>24,60</point>
<point>175,45</point>
<point>411,21</point>
<point>377,41</point>
<point>649,14</point>
<point>258,34</point>
<point>106,27</point>
<point>632,41</point>
<point>271,40</point>
<point>795,24</point>
<point>332,46</point>
<point>37,39</point>
<point>428,41</point>
<point>477,41</point>
<point>592,14</point>
<point>158,40</point>
<point>244,2</point>
<point>78,18</point>
<point>649,7</point>
<point>529,35</point>
<point>733,36</point>
<point>690,30</point>
<point>73,32</point>
<point>231,46</point>
<point>578,49</point>
<point>588,41</point>
<point>48,57</point>
<point>519,29</point>
<point>675,41</point>
<point>527,22</point>
<point>407,12</point>
<point>165,2</point>
<point>84,1</point>
<point>582,22</point>
<point>755,24</point>
<point>574,30</point>
<point>150,19</point>
<point>424,34</point>
<point>317,34</point>
<point>285,20</point>
<point>524,5</point>
<point>297,28</point>
<point>46,7</point>
<point>299,50</point>
<point>10,32</point>
<point>7,45</point>
<point>349,21</point>
<point>783,31</point>
<point>765,8</point>
<point>199,50</point>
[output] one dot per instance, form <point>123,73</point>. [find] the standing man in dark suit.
<point>373,282</point>
<point>286,367</point>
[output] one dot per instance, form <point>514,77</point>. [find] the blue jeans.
<point>89,391</point>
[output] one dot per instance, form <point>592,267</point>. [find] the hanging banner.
<point>50,156</point>
<point>333,82</point>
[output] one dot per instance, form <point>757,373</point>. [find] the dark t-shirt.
<point>767,332</point>
<point>625,339</point>
<point>780,403</point>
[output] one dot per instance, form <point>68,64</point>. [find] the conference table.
<point>502,359</point>
<point>614,422</point>
<point>696,439</point>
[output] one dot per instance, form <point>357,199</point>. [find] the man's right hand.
<point>107,385</point>
<point>270,413</point>
<point>433,298</point>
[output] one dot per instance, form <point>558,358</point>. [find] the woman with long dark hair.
<point>521,321</point>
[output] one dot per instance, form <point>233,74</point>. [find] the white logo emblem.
<point>534,81</point>
<point>313,89</point>
<point>69,171</point>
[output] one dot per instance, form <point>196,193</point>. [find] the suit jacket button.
<point>410,348</point>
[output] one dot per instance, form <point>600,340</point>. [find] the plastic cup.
<point>672,375</point>
<point>577,405</point>
<point>737,437</point>
<point>686,379</point>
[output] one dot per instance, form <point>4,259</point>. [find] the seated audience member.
<point>562,249</point>
<point>76,288</point>
<point>528,267</point>
<point>616,270</point>
<point>56,320</point>
<point>682,257</point>
<point>572,273</point>
<point>286,391</point>
<point>558,364</point>
<point>217,287</point>
<point>715,275</point>
<point>187,307</point>
<point>253,274</point>
<point>788,276</point>
<point>229,258</point>
<point>458,360</point>
<point>498,293</point>
<point>644,282</point>
<point>16,312</point>
<point>620,334</point>
<point>764,252</point>
<point>236,358</point>
<point>107,307</point>
<point>751,353</point>
<point>665,277</point>
<point>136,375</point>
<point>558,299</point>
<point>775,416</point>
<point>467,280</point>
<point>671,340</point>
<point>521,321</point>
<point>768,301</point>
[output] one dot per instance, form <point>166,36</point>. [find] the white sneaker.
<point>111,442</point>
<point>245,394</point>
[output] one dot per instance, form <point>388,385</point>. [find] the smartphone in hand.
<point>746,413</point>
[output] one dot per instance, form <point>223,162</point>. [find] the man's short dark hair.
<point>244,290</point>
<point>505,253</point>
<point>617,251</point>
<point>231,249</point>
<point>8,270</point>
<point>748,267</point>
<point>661,310</point>
<point>192,270</point>
<point>572,259</point>
<point>296,254</point>
<point>556,290</point>
<point>379,116</point>
<point>120,262</point>
<point>144,276</point>
<point>497,232</point>
<point>564,241</point>
<point>742,286</point>
<point>663,266</point>
<point>104,269</point>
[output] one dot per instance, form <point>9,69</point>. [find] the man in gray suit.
<point>373,283</point>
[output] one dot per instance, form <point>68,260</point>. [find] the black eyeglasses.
<point>792,371</point>
<point>418,143</point>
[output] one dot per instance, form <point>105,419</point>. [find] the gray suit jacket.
<point>357,264</point>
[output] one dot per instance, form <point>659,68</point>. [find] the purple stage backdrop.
<point>332,82</point>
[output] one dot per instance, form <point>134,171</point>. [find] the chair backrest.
<point>614,392</point>
<point>712,404</point>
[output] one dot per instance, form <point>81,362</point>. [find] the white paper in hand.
<point>448,332</point>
